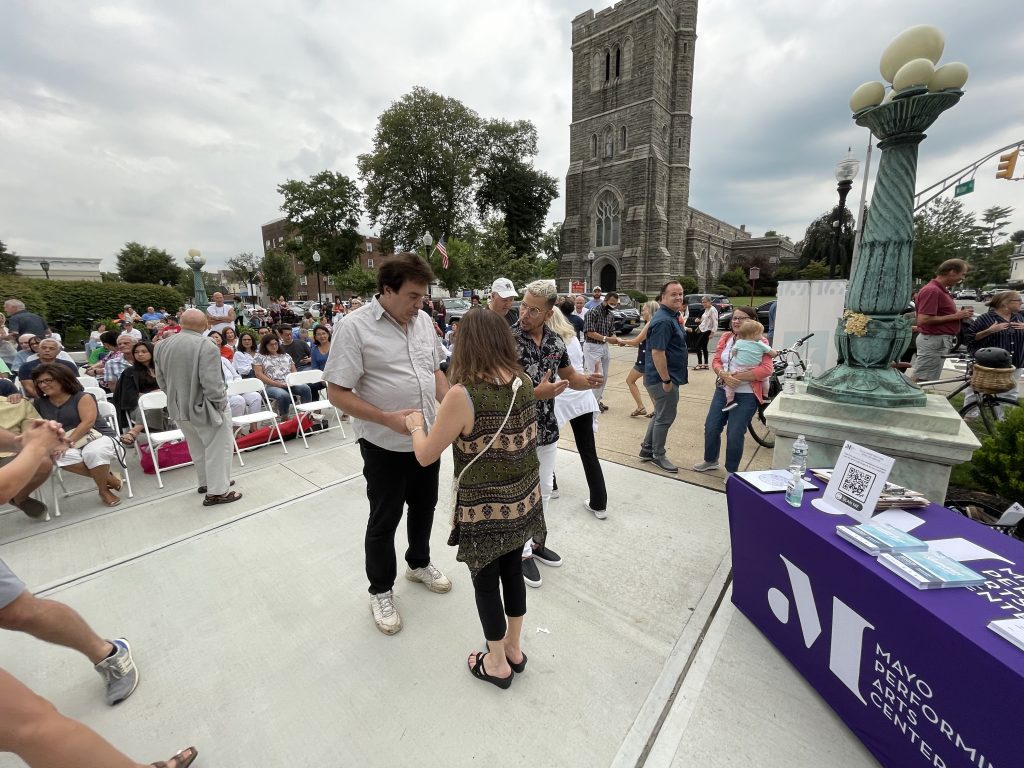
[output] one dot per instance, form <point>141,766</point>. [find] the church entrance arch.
<point>609,278</point>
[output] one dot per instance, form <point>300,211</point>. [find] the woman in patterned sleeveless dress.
<point>498,500</point>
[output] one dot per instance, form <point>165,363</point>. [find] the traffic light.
<point>1007,163</point>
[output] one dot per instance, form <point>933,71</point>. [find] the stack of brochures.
<point>880,538</point>
<point>930,570</point>
<point>1009,629</point>
<point>892,497</point>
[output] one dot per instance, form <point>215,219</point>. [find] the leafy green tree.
<point>942,230</point>
<point>278,275</point>
<point>356,279</point>
<point>689,284</point>
<point>815,270</point>
<point>110,277</point>
<point>1017,237</point>
<point>992,220</point>
<point>820,241</point>
<point>419,176</point>
<point>462,266</point>
<point>786,272</point>
<point>510,186</point>
<point>324,212</point>
<point>186,283</point>
<point>771,233</point>
<point>8,260</point>
<point>246,268</point>
<point>137,263</point>
<point>991,262</point>
<point>551,242</point>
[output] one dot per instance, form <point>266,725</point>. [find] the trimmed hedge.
<point>639,297</point>
<point>82,302</point>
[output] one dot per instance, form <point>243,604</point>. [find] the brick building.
<point>275,233</point>
<point>628,184</point>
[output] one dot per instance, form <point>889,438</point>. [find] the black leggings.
<point>702,347</point>
<point>509,569</point>
<point>583,433</point>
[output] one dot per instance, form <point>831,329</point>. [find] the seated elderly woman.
<point>62,399</point>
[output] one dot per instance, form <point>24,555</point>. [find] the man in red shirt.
<point>938,320</point>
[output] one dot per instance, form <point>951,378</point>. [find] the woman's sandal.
<point>641,411</point>
<point>117,484</point>
<point>517,668</point>
<point>227,498</point>
<point>183,759</point>
<point>477,671</point>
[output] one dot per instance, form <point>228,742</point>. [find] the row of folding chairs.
<point>158,401</point>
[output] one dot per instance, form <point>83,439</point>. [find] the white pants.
<point>95,454</point>
<point>546,454</point>
<point>593,351</point>
<point>247,402</point>
<point>211,448</point>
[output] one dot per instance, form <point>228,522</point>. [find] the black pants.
<point>509,570</point>
<point>702,347</point>
<point>394,479</point>
<point>583,433</point>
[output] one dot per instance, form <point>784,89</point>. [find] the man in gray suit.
<point>188,370</point>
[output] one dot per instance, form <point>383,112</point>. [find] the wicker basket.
<point>992,381</point>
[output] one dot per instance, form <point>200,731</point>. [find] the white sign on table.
<point>856,483</point>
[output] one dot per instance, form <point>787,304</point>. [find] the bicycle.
<point>758,427</point>
<point>987,409</point>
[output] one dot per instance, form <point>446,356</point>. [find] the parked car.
<point>695,309</point>
<point>968,294</point>
<point>455,308</point>
<point>627,315</point>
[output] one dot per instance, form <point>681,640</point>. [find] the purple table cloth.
<point>916,674</point>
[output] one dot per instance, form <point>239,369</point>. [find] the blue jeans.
<point>665,405</point>
<point>735,421</point>
<point>284,403</point>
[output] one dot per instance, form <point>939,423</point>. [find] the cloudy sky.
<point>173,123</point>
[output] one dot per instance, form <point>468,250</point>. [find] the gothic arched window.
<point>607,67</point>
<point>618,62</point>
<point>607,220</point>
<point>593,145</point>
<point>609,143</point>
<point>622,138</point>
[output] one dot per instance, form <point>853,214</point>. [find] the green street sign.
<point>964,188</point>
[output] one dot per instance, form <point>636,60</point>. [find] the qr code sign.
<point>857,482</point>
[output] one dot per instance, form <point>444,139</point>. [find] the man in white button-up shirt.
<point>385,363</point>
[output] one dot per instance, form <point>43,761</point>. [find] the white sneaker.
<point>555,494</point>
<point>430,577</point>
<point>385,615</point>
<point>600,514</point>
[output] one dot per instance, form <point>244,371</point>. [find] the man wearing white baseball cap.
<point>503,293</point>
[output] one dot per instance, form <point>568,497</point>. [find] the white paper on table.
<point>856,483</point>
<point>1013,515</point>
<point>962,550</point>
<point>898,518</point>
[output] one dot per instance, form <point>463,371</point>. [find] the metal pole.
<point>861,219</point>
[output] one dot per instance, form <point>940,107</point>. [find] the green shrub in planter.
<point>998,466</point>
<point>638,297</point>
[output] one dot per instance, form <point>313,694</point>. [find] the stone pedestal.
<point>925,441</point>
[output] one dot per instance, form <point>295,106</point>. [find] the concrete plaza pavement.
<point>250,625</point>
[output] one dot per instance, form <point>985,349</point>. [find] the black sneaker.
<point>646,454</point>
<point>531,573</point>
<point>547,556</point>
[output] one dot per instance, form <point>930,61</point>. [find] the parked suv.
<point>627,315</point>
<point>696,309</point>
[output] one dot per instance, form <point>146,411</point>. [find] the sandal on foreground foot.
<point>202,488</point>
<point>183,759</point>
<point>227,498</point>
<point>641,411</point>
<point>477,670</point>
<point>517,667</point>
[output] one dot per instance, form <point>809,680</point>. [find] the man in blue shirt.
<point>151,316</point>
<point>664,373</point>
<point>596,301</point>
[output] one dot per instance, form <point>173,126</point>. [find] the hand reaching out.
<point>548,389</point>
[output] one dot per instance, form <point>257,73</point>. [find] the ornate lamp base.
<point>882,387</point>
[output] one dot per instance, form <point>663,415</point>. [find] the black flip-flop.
<point>517,668</point>
<point>227,498</point>
<point>477,671</point>
<point>202,488</point>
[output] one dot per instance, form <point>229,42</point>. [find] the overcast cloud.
<point>173,123</point>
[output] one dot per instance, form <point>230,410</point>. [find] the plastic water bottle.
<point>790,376</point>
<point>795,486</point>
<point>799,456</point>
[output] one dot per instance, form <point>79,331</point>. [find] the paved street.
<point>251,628</point>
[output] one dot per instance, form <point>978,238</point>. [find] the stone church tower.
<point>627,188</point>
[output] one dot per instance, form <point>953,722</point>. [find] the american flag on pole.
<point>443,250</point>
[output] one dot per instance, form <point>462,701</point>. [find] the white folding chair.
<point>157,401</point>
<point>317,406</point>
<point>241,387</point>
<point>89,381</point>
